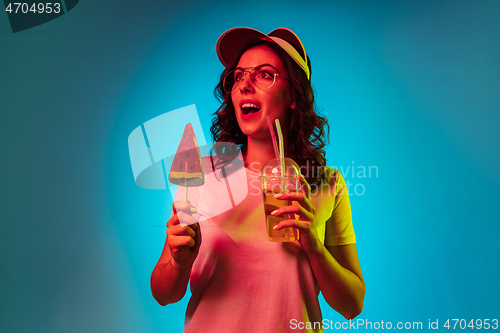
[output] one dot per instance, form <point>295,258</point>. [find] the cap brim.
<point>231,42</point>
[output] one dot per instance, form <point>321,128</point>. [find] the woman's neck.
<point>258,153</point>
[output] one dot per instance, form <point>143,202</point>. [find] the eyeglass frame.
<point>249,70</point>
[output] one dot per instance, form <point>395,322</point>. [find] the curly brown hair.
<point>306,145</point>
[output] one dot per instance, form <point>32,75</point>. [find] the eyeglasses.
<point>262,76</point>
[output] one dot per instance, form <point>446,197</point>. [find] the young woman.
<point>240,281</point>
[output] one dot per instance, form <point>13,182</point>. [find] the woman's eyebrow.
<point>243,68</point>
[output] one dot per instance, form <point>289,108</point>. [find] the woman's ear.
<point>293,105</point>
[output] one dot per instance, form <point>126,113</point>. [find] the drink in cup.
<point>274,182</point>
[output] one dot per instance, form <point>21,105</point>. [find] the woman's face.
<point>274,102</point>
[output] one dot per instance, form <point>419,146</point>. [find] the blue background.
<point>411,87</point>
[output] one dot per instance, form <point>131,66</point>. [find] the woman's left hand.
<point>305,211</point>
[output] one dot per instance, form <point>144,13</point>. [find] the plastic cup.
<point>273,182</point>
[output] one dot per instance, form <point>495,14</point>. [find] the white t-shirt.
<point>240,281</point>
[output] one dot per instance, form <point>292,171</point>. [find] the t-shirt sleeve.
<point>339,230</point>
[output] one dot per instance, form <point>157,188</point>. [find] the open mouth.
<point>247,108</point>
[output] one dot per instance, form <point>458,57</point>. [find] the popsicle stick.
<point>186,193</point>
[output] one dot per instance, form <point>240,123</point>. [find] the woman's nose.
<point>246,83</point>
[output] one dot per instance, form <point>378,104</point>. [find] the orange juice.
<point>287,234</point>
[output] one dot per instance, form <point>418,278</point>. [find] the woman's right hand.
<point>183,235</point>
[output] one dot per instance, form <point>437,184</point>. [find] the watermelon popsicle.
<point>187,169</point>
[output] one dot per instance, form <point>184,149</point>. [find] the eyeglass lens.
<point>262,76</point>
